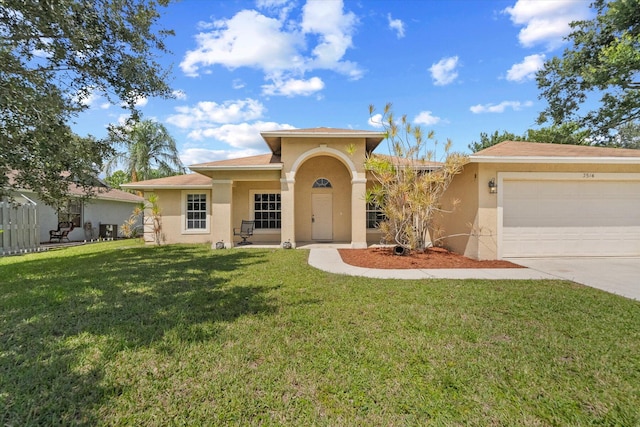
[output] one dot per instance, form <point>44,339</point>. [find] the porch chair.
<point>245,231</point>
<point>62,233</point>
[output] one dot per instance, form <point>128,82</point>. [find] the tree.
<point>487,141</point>
<point>410,184</point>
<point>603,61</point>
<point>149,151</point>
<point>565,133</point>
<point>54,55</point>
<point>628,136</point>
<point>116,179</point>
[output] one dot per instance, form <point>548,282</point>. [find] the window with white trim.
<point>267,212</point>
<point>196,212</point>
<point>72,212</point>
<point>374,215</point>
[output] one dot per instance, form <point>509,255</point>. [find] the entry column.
<point>287,211</point>
<point>222,212</point>
<point>358,212</point>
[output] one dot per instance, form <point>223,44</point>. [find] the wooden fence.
<point>18,228</point>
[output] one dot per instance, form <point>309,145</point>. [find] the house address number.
<point>588,175</point>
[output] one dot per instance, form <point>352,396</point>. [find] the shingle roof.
<point>187,180</point>
<point>538,149</point>
<point>101,191</point>
<point>262,159</point>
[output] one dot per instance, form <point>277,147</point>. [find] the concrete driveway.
<point>616,275</point>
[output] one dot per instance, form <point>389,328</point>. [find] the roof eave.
<point>166,186</point>
<point>555,160</point>
<point>275,166</point>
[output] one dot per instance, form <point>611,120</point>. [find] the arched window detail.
<point>322,183</point>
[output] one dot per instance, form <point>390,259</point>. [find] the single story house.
<point>517,199</point>
<point>100,216</point>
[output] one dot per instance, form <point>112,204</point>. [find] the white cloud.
<point>546,22</point>
<point>86,97</point>
<point>141,101</point>
<point>282,48</point>
<point>179,94</point>
<point>335,29</point>
<point>249,39</point>
<point>207,113</point>
<point>499,108</point>
<point>294,87</point>
<point>526,70</point>
<point>444,71</point>
<point>426,118</point>
<point>241,135</point>
<point>237,84</point>
<point>376,121</point>
<point>397,25</point>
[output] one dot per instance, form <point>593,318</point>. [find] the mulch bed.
<point>433,258</point>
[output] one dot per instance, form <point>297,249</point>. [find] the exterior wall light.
<point>493,188</point>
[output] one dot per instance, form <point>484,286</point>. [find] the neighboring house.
<point>100,216</point>
<point>547,199</point>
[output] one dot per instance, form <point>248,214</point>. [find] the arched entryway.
<point>323,200</point>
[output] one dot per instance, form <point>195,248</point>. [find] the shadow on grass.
<point>63,317</point>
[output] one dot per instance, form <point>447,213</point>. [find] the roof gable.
<point>274,138</point>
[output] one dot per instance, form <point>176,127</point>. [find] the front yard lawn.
<point>118,333</point>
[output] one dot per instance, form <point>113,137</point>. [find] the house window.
<point>322,183</point>
<point>266,211</point>
<point>374,215</point>
<point>196,213</point>
<point>72,212</point>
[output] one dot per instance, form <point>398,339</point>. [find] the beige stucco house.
<point>517,199</point>
<point>547,200</point>
<point>310,188</point>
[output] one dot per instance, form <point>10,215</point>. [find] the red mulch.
<point>433,258</point>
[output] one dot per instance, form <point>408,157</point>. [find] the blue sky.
<point>458,68</point>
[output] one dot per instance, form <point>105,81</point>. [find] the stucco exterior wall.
<point>336,172</point>
<point>477,213</point>
<point>294,148</point>
<point>173,229</point>
<point>242,209</point>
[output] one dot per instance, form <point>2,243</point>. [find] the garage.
<point>569,214</point>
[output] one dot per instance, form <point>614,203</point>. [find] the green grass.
<point>121,334</point>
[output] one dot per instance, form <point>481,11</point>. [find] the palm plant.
<point>147,151</point>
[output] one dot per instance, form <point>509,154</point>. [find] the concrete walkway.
<point>328,259</point>
<point>619,276</point>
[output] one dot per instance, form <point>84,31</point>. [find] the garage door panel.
<point>570,218</point>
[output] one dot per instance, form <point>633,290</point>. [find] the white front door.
<point>322,216</point>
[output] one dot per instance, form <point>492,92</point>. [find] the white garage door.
<point>570,218</point>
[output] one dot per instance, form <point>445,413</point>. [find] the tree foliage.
<point>565,133</point>
<point>604,61</point>
<point>116,179</point>
<point>628,136</point>
<point>54,55</point>
<point>147,151</point>
<point>410,184</point>
<point>487,140</point>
